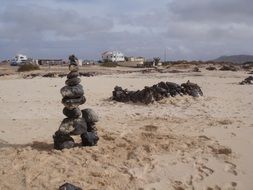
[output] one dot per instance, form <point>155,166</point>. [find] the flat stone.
<point>73,81</point>
<point>62,141</point>
<point>73,102</point>
<point>72,91</point>
<point>73,67</point>
<point>73,126</point>
<point>89,139</point>
<point>73,74</point>
<point>89,115</point>
<point>72,113</point>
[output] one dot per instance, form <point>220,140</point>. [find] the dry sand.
<point>177,143</point>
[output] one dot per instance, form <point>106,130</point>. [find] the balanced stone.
<point>73,74</point>
<point>73,81</point>
<point>91,127</point>
<point>89,115</point>
<point>89,139</point>
<point>71,103</point>
<point>72,113</point>
<point>72,91</point>
<point>73,67</point>
<point>73,126</point>
<point>62,141</point>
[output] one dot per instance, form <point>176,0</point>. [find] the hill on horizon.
<point>235,59</point>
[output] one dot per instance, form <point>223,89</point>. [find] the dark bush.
<point>28,67</point>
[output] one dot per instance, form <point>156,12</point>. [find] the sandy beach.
<point>176,143</point>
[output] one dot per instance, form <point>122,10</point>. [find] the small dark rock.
<point>71,103</point>
<point>89,139</point>
<point>73,81</point>
<point>248,80</point>
<point>72,113</point>
<point>50,75</point>
<point>89,115</point>
<point>211,68</point>
<point>73,74</point>
<point>62,141</point>
<point>72,91</point>
<point>68,186</point>
<point>73,126</point>
<point>91,127</point>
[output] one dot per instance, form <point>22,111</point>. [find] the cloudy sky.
<point>185,29</point>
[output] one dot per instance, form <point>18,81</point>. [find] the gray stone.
<point>71,103</point>
<point>72,91</point>
<point>73,126</point>
<point>91,127</point>
<point>73,74</point>
<point>90,116</point>
<point>73,81</point>
<point>89,139</point>
<point>72,113</point>
<point>62,141</point>
<point>73,67</point>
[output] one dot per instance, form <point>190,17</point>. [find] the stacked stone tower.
<point>78,122</point>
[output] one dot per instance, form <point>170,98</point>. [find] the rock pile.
<point>248,80</point>
<point>78,122</point>
<point>211,68</point>
<point>156,92</point>
<point>228,68</point>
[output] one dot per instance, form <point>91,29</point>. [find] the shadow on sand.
<point>40,146</point>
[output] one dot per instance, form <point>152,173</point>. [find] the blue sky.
<point>186,29</point>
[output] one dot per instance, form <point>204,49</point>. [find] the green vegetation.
<point>28,67</point>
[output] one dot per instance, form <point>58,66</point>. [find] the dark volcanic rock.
<point>211,68</point>
<point>88,74</point>
<point>91,127</point>
<point>89,115</point>
<point>248,80</point>
<point>73,81</point>
<point>71,103</point>
<point>228,68</point>
<point>68,186</point>
<point>72,91</point>
<point>73,74</point>
<point>156,92</point>
<point>62,141</point>
<point>192,89</point>
<point>72,113</point>
<point>73,126</point>
<point>89,139</point>
<point>50,75</point>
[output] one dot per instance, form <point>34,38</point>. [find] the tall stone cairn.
<point>77,122</point>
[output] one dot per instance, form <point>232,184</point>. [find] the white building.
<point>113,56</point>
<point>19,59</point>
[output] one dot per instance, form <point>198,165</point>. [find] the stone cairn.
<point>156,92</point>
<point>78,122</point>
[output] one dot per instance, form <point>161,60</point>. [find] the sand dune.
<point>177,143</point>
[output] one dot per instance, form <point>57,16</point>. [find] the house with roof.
<point>113,56</point>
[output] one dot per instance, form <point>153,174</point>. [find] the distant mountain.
<point>235,59</point>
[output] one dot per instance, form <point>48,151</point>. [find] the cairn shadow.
<point>37,145</point>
